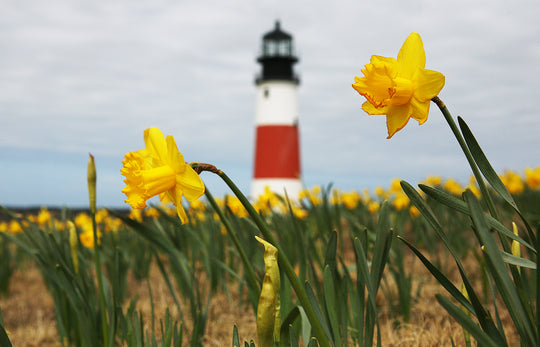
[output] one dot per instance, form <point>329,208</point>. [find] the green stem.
<point>283,262</point>
<point>97,265</point>
<point>251,277</point>
<point>468,155</point>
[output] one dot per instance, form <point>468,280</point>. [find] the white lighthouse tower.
<point>277,145</point>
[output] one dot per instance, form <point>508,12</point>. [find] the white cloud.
<point>79,77</point>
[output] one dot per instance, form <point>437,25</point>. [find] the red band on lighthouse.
<point>276,153</point>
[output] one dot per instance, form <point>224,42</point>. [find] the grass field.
<point>166,283</point>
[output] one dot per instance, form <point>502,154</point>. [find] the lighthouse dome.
<point>277,56</point>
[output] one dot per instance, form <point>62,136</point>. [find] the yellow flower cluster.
<point>47,220</point>
<point>269,203</point>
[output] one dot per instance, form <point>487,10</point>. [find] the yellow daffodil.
<point>513,182</point>
<point>351,199</point>
<point>399,88</point>
<point>453,186</point>
<point>414,212</point>
<point>401,201</point>
<point>160,169</point>
<point>532,177</point>
<point>15,227</point>
<point>87,238</point>
<point>373,207</point>
<point>44,217</point>
<point>433,181</point>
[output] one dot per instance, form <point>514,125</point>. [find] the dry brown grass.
<point>29,316</point>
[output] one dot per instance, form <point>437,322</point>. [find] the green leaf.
<point>490,174</point>
<point>499,271</point>
<point>484,165</point>
<point>461,206</point>
<point>4,339</point>
<point>331,250</point>
<point>420,204</point>
<point>320,317</point>
<point>439,276</point>
<point>293,340</point>
<point>466,322</point>
<point>286,325</point>
<point>306,326</point>
<point>382,245</point>
<point>475,306</point>
<point>235,340</point>
<point>518,261</point>
<point>330,303</point>
<point>372,317</point>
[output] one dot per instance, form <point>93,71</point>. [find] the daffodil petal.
<point>428,84</point>
<point>411,56</point>
<point>396,118</point>
<point>420,110</point>
<point>175,158</point>
<point>179,208</point>
<point>155,143</point>
<point>191,184</point>
<point>379,59</point>
<point>370,109</point>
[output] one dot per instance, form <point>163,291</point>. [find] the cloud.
<point>81,77</point>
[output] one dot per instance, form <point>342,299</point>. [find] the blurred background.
<point>80,77</point>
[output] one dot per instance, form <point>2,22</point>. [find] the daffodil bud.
<point>74,244</point>
<point>268,312</point>
<point>516,248</point>
<point>91,174</point>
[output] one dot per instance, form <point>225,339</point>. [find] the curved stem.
<point>283,262</point>
<point>468,155</point>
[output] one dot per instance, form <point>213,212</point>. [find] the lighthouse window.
<point>270,48</point>
<point>284,48</point>
<point>266,92</point>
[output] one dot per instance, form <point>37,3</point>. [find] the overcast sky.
<point>90,76</point>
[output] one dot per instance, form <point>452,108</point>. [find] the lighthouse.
<point>277,145</point>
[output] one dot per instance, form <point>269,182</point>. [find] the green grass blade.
<point>371,318</point>
<point>236,340</point>
<point>331,250</point>
<point>382,246</point>
<point>318,313</point>
<point>499,271</point>
<point>473,304</point>
<point>489,173</point>
<point>331,304</point>
<point>293,339</point>
<point>461,206</point>
<point>466,322</point>
<point>439,276</point>
<point>518,261</point>
<point>484,165</point>
<point>4,339</point>
<point>287,323</point>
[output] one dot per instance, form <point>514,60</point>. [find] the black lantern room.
<point>277,57</point>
